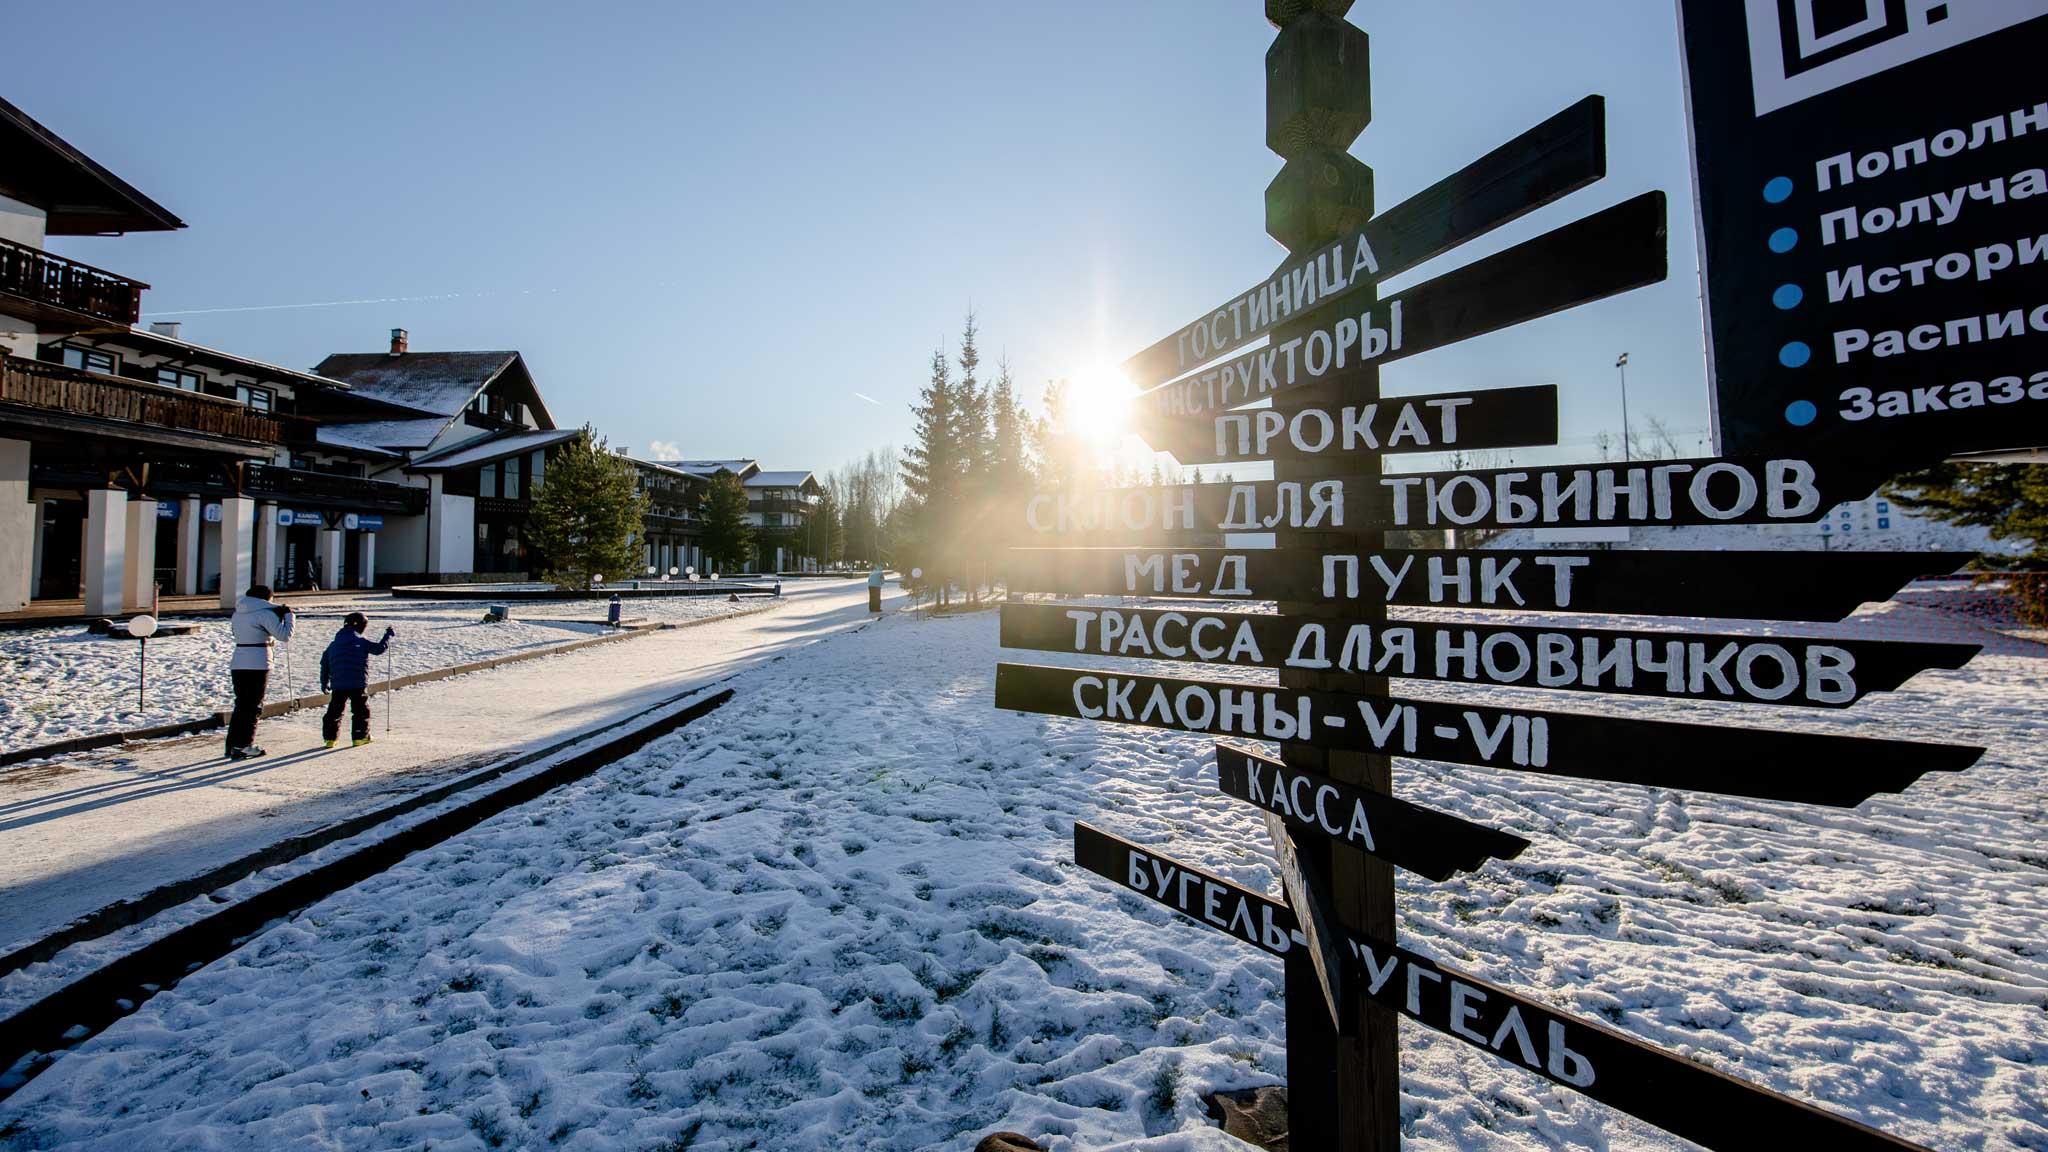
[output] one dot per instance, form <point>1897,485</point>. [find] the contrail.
<point>334,303</point>
<point>869,399</point>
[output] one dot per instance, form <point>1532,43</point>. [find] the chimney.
<point>166,328</point>
<point>398,341</point>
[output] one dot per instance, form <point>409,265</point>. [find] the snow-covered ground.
<point>840,913</point>
<point>60,682</point>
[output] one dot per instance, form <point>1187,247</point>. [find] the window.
<point>487,480</point>
<point>257,398</point>
<point>511,477</point>
<point>178,378</point>
<point>772,519</point>
<point>92,360</point>
<point>538,464</point>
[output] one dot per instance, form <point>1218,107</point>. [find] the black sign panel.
<point>1524,417</point>
<point>1687,665</point>
<point>1557,157</point>
<point>1745,585</point>
<point>1807,767</point>
<point>1678,1095</point>
<point>1873,205</point>
<point>1604,254</point>
<point>1422,840</point>
<point>1738,490</point>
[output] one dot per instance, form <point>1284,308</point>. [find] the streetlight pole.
<point>1621,366</point>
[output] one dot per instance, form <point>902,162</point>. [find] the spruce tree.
<point>931,468</point>
<point>589,519</point>
<point>727,537</point>
<point>2009,499</point>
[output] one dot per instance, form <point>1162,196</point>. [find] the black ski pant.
<point>249,686</point>
<point>358,701</point>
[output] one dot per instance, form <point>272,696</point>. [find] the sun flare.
<point>1099,405</point>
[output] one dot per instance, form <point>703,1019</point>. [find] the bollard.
<point>611,615</point>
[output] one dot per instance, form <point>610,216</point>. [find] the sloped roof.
<point>442,383</point>
<point>707,467</point>
<point>496,446</point>
<point>778,479</point>
<point>338,436</point>
<point>388,434</point>
<point>184,351</point>
<point>77,195</point>
<point>668,466</point>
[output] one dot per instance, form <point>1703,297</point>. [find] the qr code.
<point>1801,48</point>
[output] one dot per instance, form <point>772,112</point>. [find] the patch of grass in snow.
<point>488,1128</point>
<point>1166,1085</point>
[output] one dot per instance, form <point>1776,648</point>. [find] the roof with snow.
<point>780,479</point>
<point>394,435</point>
<point>338,436</point>
<point>496,446</point>
<point>707,467</point>
<point>439,382</point>
<point>182,351</point>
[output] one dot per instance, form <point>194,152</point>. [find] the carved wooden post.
<point>1344,1091</point>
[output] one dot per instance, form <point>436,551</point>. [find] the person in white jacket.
<point>257,624</point>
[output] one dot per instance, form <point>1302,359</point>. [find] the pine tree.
<point>1010,431</point>
<point>2009,499</point>
<point>976,443</point>
<point>931,467</point>
<point>589,518</point>
<point>727,538</point>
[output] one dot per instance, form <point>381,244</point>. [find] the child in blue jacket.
<point>345,671</point>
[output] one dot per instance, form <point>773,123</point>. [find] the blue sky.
<point>712,225</point>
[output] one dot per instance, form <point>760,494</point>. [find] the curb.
<point>91,1003</point>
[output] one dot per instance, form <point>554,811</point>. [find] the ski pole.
<point>387,691</point>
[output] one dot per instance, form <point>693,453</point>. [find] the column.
<point>329,550</point>
<point>138,589</point>
<point>35,565</point>
<point>191,526</point>
<point>106,549</point>
<point>366,560</point>
<point>237,547</point>
<point>263,561</point>
<point>20,522</point>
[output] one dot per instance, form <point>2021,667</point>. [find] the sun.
<point>1099,405</point>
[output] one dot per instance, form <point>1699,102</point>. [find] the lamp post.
<point>1621,366</point>
<point>142,628</point>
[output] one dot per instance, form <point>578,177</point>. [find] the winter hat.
<point>355,621</point>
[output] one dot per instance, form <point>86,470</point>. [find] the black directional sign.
<point>1422,840</point>
<point>1674,1093</point>
<point>1772,669</point>
<point>1747,585</point>
<point>1734,490</point>
<point>1874,220</point>
<point>1807,767</point>
<point>1557,157</point>
<point>1524,417</point>
<point>1609,252</point>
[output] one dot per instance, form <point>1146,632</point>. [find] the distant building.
<point>779,506</point>
<point>674,521</point>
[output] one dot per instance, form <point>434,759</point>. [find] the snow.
<point>60,682</point>
<point>840,913</point>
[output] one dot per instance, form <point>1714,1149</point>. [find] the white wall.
<point>18,525</point>
<point>451,543</point>
<point>23,224</point>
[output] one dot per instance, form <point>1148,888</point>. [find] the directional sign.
<point>1601,255</point>
<point>1317,924</point>
<point>1679,1095</point>
<point>1739,490</point>
<point>1808,767</point>
<point>1871,195</point>
<point>1557,157</point>
<point>1746,585</point>
<point>1422,840</point>
<point>1687,665</point>
<point>1494,418</point>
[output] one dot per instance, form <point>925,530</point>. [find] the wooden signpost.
<point>1326,800</point>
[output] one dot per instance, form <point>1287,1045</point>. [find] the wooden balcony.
<point>59,295</point>
<point>69,400</point>
<point>300,488</point>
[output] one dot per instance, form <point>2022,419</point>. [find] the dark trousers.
<point>874,599</point>
<point>358,719</point>
<point>249,686</point>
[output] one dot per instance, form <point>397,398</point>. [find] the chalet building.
<point>674,520</point>
<point>470,429</point>
<point>133,458</point>
<point>779,506</point>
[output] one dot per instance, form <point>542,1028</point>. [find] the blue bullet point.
<point>1778,191</point>
<point>1800,413</point>
<point>1788,296</point>
<point>1783,240</point>
<point>1795,355</point>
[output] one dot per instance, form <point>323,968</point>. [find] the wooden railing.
<point>37,275</point>
<point>289,485</point>
<point>35,384</point>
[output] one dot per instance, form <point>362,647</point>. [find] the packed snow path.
<point>840,913</point>
<point>83,832</point>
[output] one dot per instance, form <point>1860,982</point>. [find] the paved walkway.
<point>79,834</point>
